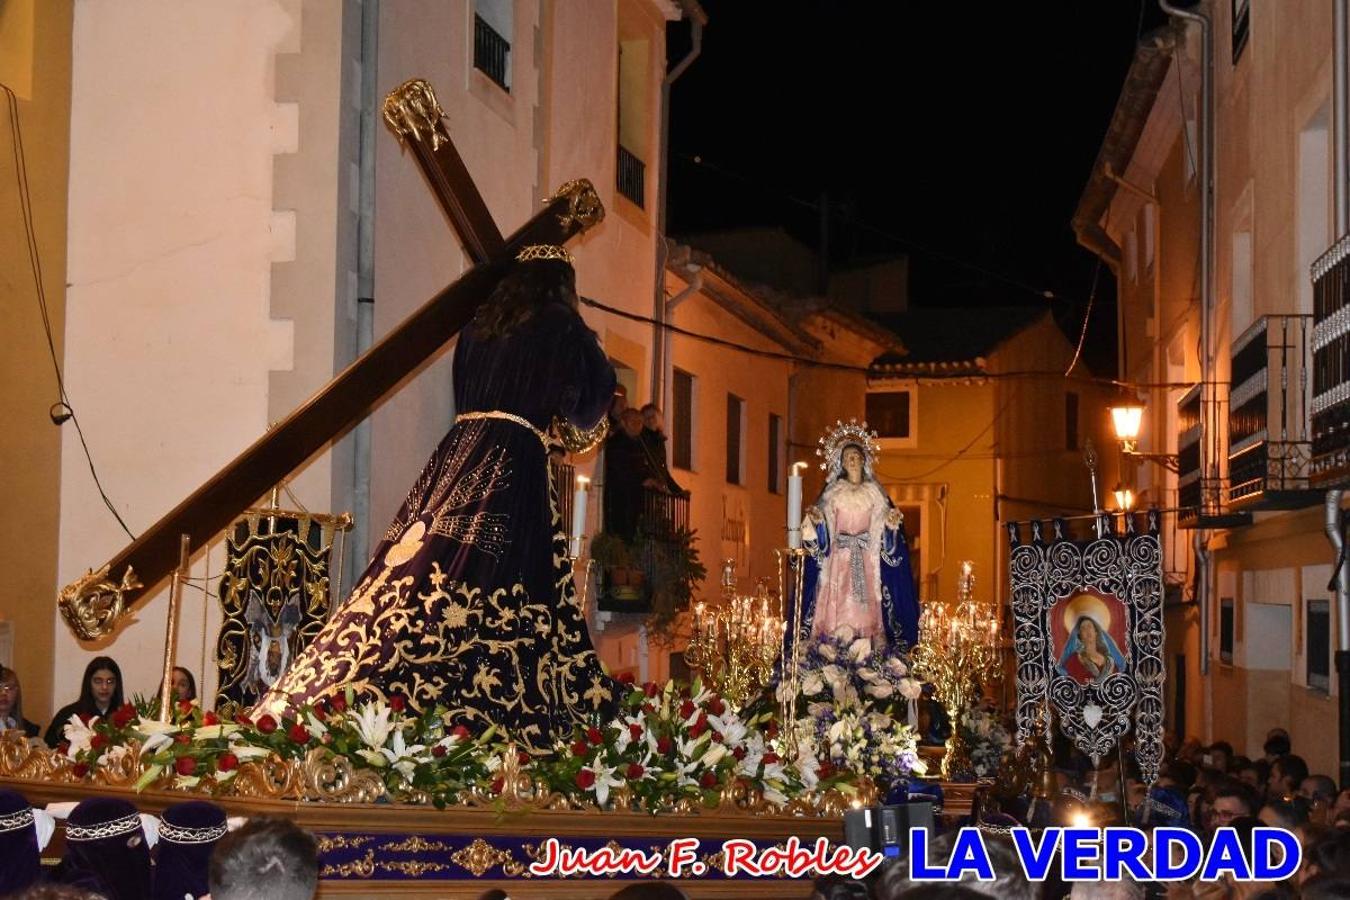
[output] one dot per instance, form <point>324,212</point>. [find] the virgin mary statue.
<point>857,577</point>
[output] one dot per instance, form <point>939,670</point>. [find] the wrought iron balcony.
<point>1268,446</point>
<point>1201,498</point>
<point>1330,406</point>
<point>491,52</point>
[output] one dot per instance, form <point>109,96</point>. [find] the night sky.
<point>961,134</point>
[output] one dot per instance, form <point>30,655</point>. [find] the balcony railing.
<point>491,52</point>
<point>1202,497</point>
<point>1330,407</point>
<point>1268,445</point>
<point>632,180</point>
<point>565,477</point>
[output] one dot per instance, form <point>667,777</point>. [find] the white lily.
<point>896,666</point>
<point>402,756</point>
<point>860,649</point>
<point>604,780</point>
<point>911,689</point>
<point>113,754</point>
<point>844,634</point>
<point>713,755</point>
<point>246,752</point>
<point>154,742</point>
<point>372,724</point>
<point>731,728</point>
<point>812,684</point>
<point>316,728</point>
<point>374,757</point>
<point>78,735</point>
<point>807,768</point>
<point>208,732</point>
<point>881,690</point>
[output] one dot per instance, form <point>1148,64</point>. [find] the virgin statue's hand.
<point>811,517</point>
<point>894,517</point>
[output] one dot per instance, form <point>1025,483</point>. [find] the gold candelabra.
<point>958,648</point>
<point>735,642</point>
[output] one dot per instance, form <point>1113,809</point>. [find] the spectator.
<point>1253,774</point>
<point>654,444</point>
<point>184,685</point>
<point>1286,774</point>
<point>1277,744</point>
<point>1320,792</point>
<point>100,694</point>
<point>267,859</point>
<point>1010,880</point>
<point>1219,755</point>
<point>626,475</point>
<point>1281,814</point>
<point>617,406</point>
<point>11,705</point>
<point>1233,800</point>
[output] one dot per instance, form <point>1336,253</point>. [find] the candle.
<point>579,513</point>
<point>794,515</point>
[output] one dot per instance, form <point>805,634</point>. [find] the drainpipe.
<point>1208,466</point>
<point>697,19</point>
<point>1340,122</point>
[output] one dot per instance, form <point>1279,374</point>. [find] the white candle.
<point>794,512</point>
<point>579,513</point>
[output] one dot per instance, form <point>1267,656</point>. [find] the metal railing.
<point>1330,405</point>
<point>491,52</point>
<point>1268,445</point>
<point>632,177</point>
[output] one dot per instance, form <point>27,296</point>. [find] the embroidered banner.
<point>1089,636</point>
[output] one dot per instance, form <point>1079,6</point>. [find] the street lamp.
<point>1124,498</point>
<point>1127,417</point>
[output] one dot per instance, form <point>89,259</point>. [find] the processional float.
<point>369,847</point>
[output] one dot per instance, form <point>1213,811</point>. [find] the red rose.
<point>438,751</point>
<point>84,718</point>
<point>717,737</point>
<point>210,719</point>
<point>709,780</point>
<point>267,724</point>
<point>585,779</point>
<point>826,768</point>
<point>319,712</point>
<point>98,742</point>
<point>595,735</point>
<point>498,785</point>
<point>648,708</point>
<point>650,689</point>
<point>696,731</point>
<point>717,706</point>
<point>702,720</point>
<point>185,765</point>
<point>627,678</point>
<point>242,719</point>
<point>460,731</point>
<point>228,762</point>
<point>80,770</point>
<point>522,757</point>
<point>635,770</point>
<point>580,748</point>
<point>635,731</point>
<point>182,738</point>
<point>663,745</point>
<point>770,758</point>
<point>339,703</point>
<point>739,753</point>
<point>397,703</point>
<point>686,709</point>
<point>123,715</point>
<point>298,733</point>
<point>63,748</point>
<point>185,706</point>
<point>772,731</point>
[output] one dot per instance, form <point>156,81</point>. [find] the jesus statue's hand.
<point>894,517</point>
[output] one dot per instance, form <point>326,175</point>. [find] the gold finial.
<point>411,110</point>
<point>584,208</point>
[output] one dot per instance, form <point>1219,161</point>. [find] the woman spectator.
<point>100,694</point>
<point>183,684</point>
<point>11,705</point>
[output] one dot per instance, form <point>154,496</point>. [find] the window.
<point>1070,421</point>
<point>682,420</point>
<point>1226,630</point>
<point>775,453</point>
<point>635,86</point>
<point>1317,633</point>
<point>735,415</point>
<point>888,412</point>
<point>492,40</point>
<point>1242,19</point>
<point>1240,314</point>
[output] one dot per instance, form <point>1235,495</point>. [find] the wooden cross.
<point>93,604</point>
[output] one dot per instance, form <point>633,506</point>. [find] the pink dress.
<point>848,592</point>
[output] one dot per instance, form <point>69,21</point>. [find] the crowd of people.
<point>635,462</point>
<point>1200,788</point>
<point>101,691</point>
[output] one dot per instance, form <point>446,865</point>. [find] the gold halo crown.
<point>544,251</point>
<point>831,449</point>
